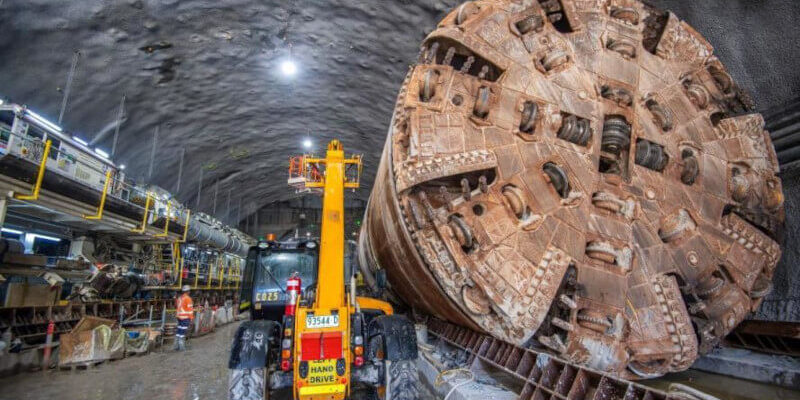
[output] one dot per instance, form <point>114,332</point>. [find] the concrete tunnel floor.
<point>200,373</point>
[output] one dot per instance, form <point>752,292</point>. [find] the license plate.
<point>321,372</point>
<point>322,321</point>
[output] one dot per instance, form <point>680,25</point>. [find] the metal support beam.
<point>153,153</point>
<point>228,213</point>
<point>120,115</point>
<point>238,214</point>
<point>180,172</point>
<point>68,86</point>
<point>199,190</point>
<point>216,191</point>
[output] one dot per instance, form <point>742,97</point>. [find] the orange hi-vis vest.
<point>185,307</point>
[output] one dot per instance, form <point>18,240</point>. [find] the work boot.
<point>176,344</point>
<point>180,343</point>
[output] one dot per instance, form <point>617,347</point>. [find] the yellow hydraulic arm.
<point>330,175</point>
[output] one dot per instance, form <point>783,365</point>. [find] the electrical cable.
<point>441,379</point>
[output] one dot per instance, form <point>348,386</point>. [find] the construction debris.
<point>92,341</point>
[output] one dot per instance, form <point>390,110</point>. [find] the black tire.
<point>249,359</point>
<point>403,380</point>
<point>248,384</point>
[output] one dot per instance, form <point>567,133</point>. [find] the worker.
<point>185,313</point>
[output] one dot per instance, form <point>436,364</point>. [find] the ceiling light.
<point>79,140</point>
<point>288,68</point>
<point>38,118</point>
<point>122,166</point>
<point>307,143</point>
<point>12,231</point>
<point>43,237</point>
<point>101,153</point>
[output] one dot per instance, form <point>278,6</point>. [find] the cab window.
<point>276,268</point>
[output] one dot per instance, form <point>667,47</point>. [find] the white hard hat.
<point>186,288</point>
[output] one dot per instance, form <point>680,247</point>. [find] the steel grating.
<point>545,376</point>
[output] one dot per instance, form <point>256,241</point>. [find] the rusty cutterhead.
<point>578,174</point>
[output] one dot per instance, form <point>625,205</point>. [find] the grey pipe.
<point>204,233</point>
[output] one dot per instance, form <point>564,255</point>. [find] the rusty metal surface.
<point>578,174</point>
<point>545,376</point>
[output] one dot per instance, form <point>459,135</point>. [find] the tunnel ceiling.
<point>207,72</point>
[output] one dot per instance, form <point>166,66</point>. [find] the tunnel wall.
<point>783,304</point>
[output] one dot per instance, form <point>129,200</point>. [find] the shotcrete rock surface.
<point>208,73</point>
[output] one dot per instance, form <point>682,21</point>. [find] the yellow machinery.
<point>328,339</point>
<point>324,327</point>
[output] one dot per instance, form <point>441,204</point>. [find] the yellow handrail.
<point>209,277</point>
<point>185,227</point>
<point>229,276</point>
<point>180,277</point>
<point>99,214</point>
<point>144,217</point>
<point>221,274</point>
<point>197,271</point>
<point>238,275</point>
<point>176,258</point>
<point>166,224</point>
<point>39,177</point>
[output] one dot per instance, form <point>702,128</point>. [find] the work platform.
<point>131,246</point>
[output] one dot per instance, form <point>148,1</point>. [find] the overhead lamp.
<point>2,102</point>
<point>12,231</point>
<point>288,68</point>
<point>307,143</point>
<point>42,120</point>
<point>100,152</point>
<point>79,140</point>
<point>122,167</point>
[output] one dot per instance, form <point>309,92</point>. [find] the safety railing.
<point>109,181</point>
<point>219,272</point>
<point>309,171</point>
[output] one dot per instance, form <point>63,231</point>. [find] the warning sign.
<point>321,372</point>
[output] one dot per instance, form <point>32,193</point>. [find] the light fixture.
<point>79,140</point>
<point>100,152</point>
<point>307,143</point>
<point>12,231</point>
<point>288,68</point>
<point>38,118</point>
<point>122,167</point>
<point>44,237</point>
<point>2,102</point>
